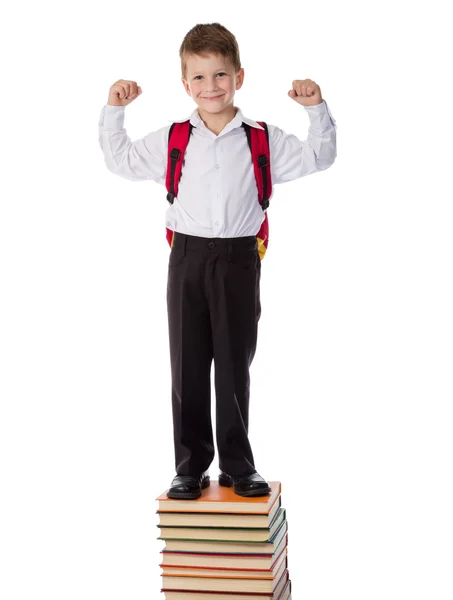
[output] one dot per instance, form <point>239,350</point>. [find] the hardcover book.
<point>235,534</point>
<point>193,519</point>
<point>224,583</point>
<point>217,498</point>
<point>227,547</point>
<point>282,592</point>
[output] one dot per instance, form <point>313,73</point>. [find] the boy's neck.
<point>217,122</point>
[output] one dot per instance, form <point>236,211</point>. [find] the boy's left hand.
<point>306,92</point>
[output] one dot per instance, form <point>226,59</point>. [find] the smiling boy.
<point>214,270</point>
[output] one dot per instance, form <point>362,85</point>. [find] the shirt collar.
<point>236,121</point>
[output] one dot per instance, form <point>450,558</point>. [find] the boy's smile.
<point>212,82</point>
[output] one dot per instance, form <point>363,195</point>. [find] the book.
<point>228,561</point>
<point>225,583</point>
<point>217,498</point>
<point>220,572</point>
<point>234,534</point>
<point>228,547</point>
<point>282,591</point>
<point>182,519</point>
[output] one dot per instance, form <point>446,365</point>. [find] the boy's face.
<point>211,81</point>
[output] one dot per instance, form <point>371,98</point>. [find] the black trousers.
<point>213,302</point>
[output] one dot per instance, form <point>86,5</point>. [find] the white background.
<point>351,391</point>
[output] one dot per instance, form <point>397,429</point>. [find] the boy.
<point>214,268</point>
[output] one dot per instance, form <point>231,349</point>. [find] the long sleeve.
<point>292,158</point>
<point>143,159</point>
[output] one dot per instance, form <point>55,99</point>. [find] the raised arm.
<point>292,157</point>
<point>139,160</point>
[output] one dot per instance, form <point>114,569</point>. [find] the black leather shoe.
<point>246,485</point>
<point>188,487</point>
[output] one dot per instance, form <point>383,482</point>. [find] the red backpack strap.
<point>178,138</point>
<point>258,141</point>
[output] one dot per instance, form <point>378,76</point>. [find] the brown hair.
<point>211,38</point>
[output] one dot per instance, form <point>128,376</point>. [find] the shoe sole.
<point>189,495</point>
<point>247,494</point>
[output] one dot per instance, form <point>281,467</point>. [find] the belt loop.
<point>184,243</point>
<point>230,248</point>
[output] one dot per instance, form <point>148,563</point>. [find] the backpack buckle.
<point>262,161</point>
<point>265,204</point>
<point>170,197</point>
<point>175,154</point>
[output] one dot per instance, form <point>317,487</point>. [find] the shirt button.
<point>217,167</point>
<point>218,194</point>
<point>217,223</point>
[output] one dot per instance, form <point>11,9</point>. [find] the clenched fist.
<point>306,92</point>
<point>123,92</point>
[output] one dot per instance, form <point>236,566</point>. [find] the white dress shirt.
<point>217,194</point>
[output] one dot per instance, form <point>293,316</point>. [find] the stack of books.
<point>222,546</point>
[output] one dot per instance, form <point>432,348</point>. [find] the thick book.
<point>220,572</point>
<point>228,547</point>
<point>224,583</point>
<point>282,592</point>
<point>217,498</point>
<point>232,534</point>
<point>227,561</point>
<point>182,519</point>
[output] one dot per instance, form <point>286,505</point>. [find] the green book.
<point>225,534</point>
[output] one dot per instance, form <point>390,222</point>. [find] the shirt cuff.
<point>319,113</point>
<point>114,117</point>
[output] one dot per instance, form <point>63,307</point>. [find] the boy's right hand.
<point>123,92</point>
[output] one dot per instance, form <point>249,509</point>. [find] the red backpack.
<point>258,141</point>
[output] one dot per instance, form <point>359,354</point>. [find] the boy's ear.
<point>186,86</point>
<point>239,79</point>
